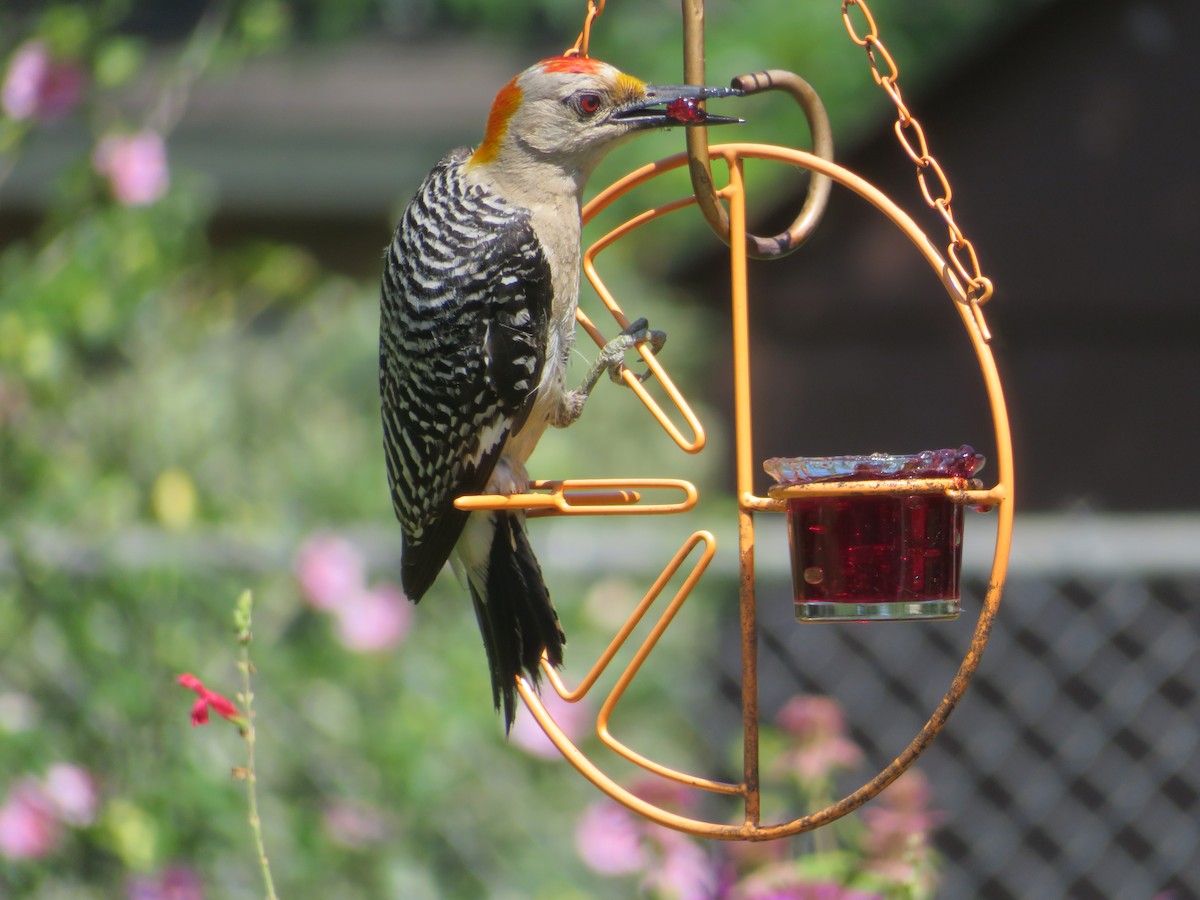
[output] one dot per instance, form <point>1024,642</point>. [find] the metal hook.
<point>699,163</point>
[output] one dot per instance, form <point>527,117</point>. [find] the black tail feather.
<point>516,618</point>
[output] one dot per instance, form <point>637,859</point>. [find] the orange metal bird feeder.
<point>922,498</point>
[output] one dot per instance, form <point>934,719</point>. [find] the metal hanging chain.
<point>960,251</point>
<point>580,47</point>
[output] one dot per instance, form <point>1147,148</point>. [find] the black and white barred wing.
<point>465,303</point>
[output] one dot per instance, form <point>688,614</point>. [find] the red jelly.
<point>686,110</point>
<point>872,556</point>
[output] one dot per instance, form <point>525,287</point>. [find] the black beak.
<point>675,104</point>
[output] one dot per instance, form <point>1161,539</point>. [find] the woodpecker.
<point>477,318</point>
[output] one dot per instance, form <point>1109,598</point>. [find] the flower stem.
<point>242,619</point>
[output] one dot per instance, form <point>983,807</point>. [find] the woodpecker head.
<point>570,111</point>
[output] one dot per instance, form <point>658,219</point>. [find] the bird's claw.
<point>611,360</point>
<point>637,332</point>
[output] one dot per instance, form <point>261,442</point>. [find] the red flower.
<point>223,705</point>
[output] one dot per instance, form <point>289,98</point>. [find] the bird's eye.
<point>588,104</point>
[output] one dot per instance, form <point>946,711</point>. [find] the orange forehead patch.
<point>503,107</point>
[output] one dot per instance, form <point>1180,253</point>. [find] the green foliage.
<point>263,405</point>
<point>174,423</point>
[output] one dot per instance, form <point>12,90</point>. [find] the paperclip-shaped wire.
<point>616,496</point>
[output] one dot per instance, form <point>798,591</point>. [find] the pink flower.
<point>788,881</point>
<point>72,790</point>
<point>574,719</point>
<point>135,166</point>
<point>354,825</point>
<point>685,871</point>
<point>37,86</point>
<point>908,793</point>
<point>333,577</point>
<point>331,571</point>
<point>373,620</point>
<point>29,824</point>
<point>898,827</point>
<point>802,890</point>
<point>223,706</point>
<point>670,795</point>
<point>176,883</point>
<point>822,747</point>
<point>746,856</point>
<point>609,839</point>
<point>821,758</point>
<point>811,715</point>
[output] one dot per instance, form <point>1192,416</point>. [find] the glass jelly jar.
<point>875,554</point>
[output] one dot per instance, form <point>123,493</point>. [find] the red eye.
<point>588,103</point>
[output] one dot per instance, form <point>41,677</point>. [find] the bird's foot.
<point>612,361</point>
<point>612,355</point>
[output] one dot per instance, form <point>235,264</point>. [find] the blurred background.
<point>194,199</point>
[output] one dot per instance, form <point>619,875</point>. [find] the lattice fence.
<point>1072,767</point>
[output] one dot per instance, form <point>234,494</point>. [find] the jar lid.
<point>961,463</point>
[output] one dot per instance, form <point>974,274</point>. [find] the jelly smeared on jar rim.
<point>686,110</point>
<point>961,463</point>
